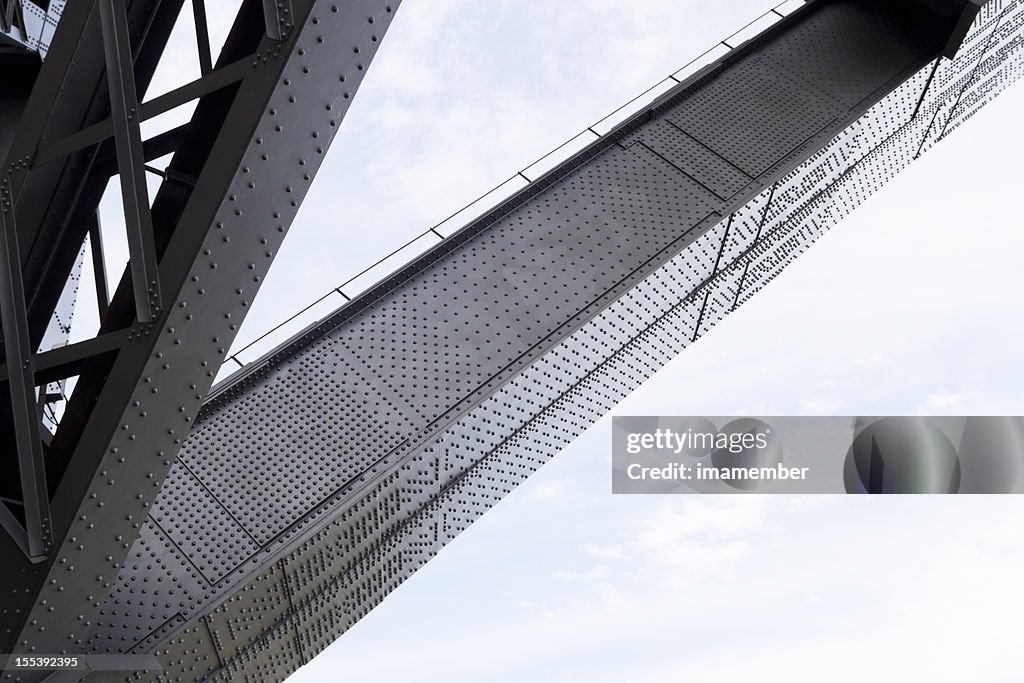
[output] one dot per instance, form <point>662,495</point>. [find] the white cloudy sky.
<point>910,306</point>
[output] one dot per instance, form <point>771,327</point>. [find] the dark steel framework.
<point>317,479</point>
<point>265,114</point>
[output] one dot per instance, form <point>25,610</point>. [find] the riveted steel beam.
<point>202,36</point>
<point>277,17</point>
<point>124,113</point>
<point>99,265</point>
<point>68,360</point>
<point>253,148</point>
<point>22,389</point>
<point>222,77</point>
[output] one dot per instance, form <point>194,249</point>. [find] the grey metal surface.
<point>319,478</point>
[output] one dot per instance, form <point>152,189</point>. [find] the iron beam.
<point>67,361</point>
<point>132,409</point>
<point>99,266</point>
<point>202,36</point>
<point>217,79</point>
<point>124,113</point>
<point>22,386</point>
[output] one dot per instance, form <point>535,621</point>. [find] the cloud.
<point>945,403</point>
<point>821,406</point>
<point>607,551</point>
<point>598,571</point>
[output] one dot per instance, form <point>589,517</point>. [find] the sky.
<point>907,307</point>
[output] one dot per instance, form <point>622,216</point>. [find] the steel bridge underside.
<point>320,477</point>
<point>317,479</point>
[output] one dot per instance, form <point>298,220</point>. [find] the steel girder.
<point>49,205</point>
<point>318,478</point>
<point>28,26</point>
<point>267,112</point>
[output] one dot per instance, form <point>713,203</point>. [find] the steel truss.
<point>318,478</point>
<point>266,112</point>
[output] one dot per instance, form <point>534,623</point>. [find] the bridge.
<point>238,529</point>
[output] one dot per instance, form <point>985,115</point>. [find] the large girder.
<point>318,478</point>
<point>266,114</point>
